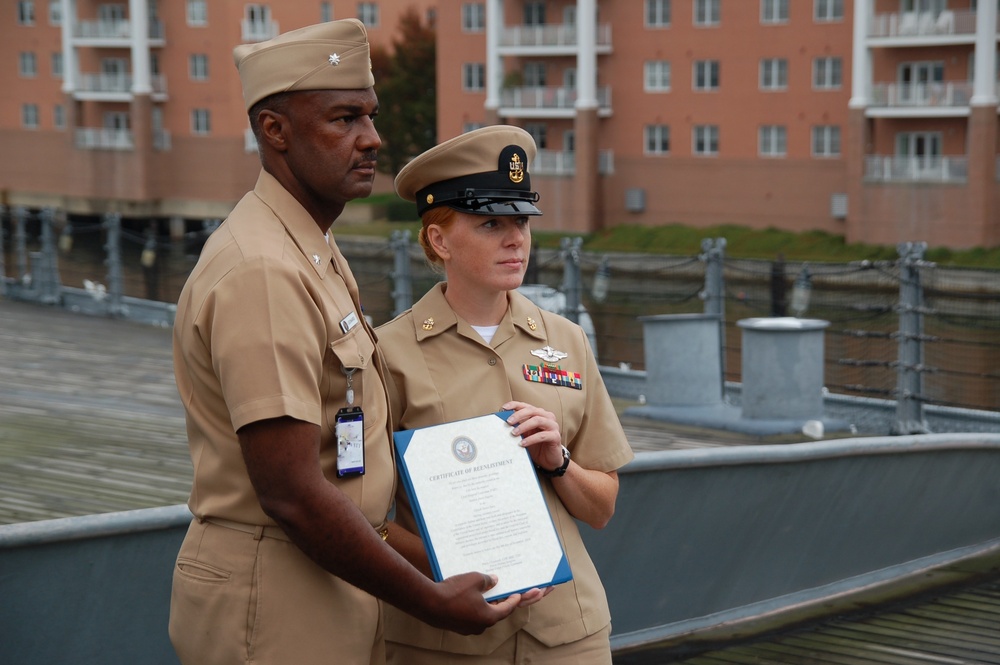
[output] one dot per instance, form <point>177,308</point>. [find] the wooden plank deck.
<point>90,421</point>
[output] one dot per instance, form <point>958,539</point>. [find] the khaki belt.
<point>258,531</point>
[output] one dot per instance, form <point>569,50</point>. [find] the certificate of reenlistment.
<point>479,506</point>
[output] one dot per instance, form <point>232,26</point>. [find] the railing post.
<point>714,254</point>
<point>113,226</point>
<point>910,339</point>
<point>3,260</point>
<point>21,244</point>
<point>570,250</point>
<point>48,288</point>
<point>402,280</point>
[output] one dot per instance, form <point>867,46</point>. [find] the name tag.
<point>348,322</point>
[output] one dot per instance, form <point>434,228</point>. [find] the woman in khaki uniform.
<point>474,345</point>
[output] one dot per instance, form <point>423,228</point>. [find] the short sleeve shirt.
<point>269,324</point>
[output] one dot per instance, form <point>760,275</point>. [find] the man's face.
<point>332,144</point>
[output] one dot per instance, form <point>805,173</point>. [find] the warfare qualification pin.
<point>549,355</point>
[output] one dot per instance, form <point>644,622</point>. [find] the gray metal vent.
<point>838,206</point>
<point>635,199</point>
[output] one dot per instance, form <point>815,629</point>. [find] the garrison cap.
<point>483,172</point>
<point>327,56</point>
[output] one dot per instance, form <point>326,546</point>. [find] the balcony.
<point>920,99</point>
<point>548,40</point>
<point>258,31</point>
<point>114,33</point>
<point>883,168</point>
<point>115,87</point>
<point>548,102</point>
<point>913,28</point>
<point>104,139</point>
<point>563,162</point>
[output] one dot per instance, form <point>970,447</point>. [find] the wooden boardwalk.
<point>90,421</point>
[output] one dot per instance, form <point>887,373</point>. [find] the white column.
<point>586,54</point>
<point>494,65</point>
<point>138,12</point>
<point>984,84</point>
<point>861,70</point>
<point>69,55</point>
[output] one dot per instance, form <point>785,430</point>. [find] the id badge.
<point>349,430</point>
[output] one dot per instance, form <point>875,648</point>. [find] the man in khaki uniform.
<point>285,558</point>
<point>474,345</point>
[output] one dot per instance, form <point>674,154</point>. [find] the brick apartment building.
<point>874,119</point>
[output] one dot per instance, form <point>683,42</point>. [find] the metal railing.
<point>550,36</point>
<point>923,24</point>
<point>884,168</point>
<point>104,139</point>
<point>549,97</point>
<point>921,95</point>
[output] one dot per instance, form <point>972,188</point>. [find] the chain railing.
<point>903,330</point>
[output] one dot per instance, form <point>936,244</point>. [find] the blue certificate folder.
<point>479,506</point>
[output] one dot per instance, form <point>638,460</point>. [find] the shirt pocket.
<point>354,354</point>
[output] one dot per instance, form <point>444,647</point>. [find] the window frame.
<point>31,117</point>
<point>201,122</point>
<point>660,11</point>
<point>768,9</point>
<point>828,11</point>
<point>707,13</point>
<point>198,66</point>
<point>473,77</point>
<point>706,81</point>
<point>27,64</point>
<point>657,76</point>
<point>831,70</point>
<point>196,13</point>
<point>827,135</point>
<point>656,140</point>
<point>473,17</point>
<point>766,71</point>
<point>26,13</point>
<point>705,134</point>
<point>368,13</point>
<point>772,141</point>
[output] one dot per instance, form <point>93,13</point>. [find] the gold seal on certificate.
<point>477,501</point>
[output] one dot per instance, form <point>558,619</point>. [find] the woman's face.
<point>488,254</point>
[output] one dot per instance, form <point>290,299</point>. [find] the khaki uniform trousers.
<point>520,649</point>
<point>241,597</point>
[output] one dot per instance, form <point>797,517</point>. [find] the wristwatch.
<point>559,472</point>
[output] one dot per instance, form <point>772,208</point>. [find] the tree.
<point>405,83</point>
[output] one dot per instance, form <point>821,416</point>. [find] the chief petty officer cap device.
<point>482,172</point>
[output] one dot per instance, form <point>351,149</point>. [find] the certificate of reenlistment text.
<point>479,506</point>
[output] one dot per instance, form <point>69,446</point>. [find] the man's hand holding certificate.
<point>479,505</point>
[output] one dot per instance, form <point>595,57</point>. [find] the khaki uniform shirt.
<point>258,335</point>
<point>441,371</point>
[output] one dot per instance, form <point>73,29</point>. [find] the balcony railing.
<point>882,168</point>
<point>550,35</point>
<point>104,139</point>
<point>928,95</point>
<point>924,24</point>
<point>563,162</point>
<point>112,30</point>
<point>549,97</point>
<point>117,84</point>
<point>259,31</point>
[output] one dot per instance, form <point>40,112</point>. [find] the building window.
<point>534,75</point>
<point>706,12</point>
<point>706,140</point>
<point>828,10</point>
<point>540,134</point>
<point>826,141</point>
<point>57,65</point>
<point>29,116</point>
<point>706,75</point>
<point>473,77</point>
<point>657,13</point>
<point>534,13</point>
<point>471,126</point>
<point>55,12</point>
<point>774,11</point>
<point>325,12</point>
<point>201,122</point>
<point>656,76</point>
<point>27,64</point>
<point>772,141</point>
<point>657,140</point>
<point>368,14</point>
<point>827,73</point>
<point>59,116</point>
<point>473,17</point>
<point>197,12</point>
<point>26,12</point>
<point>773,74</point>
<point>198,67</point>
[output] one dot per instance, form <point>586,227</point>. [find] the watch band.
<point>559,472</point>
